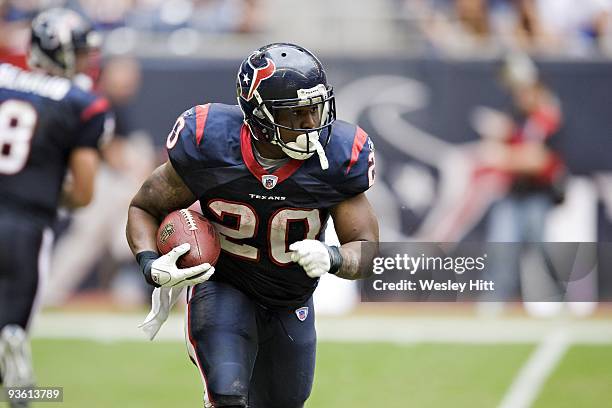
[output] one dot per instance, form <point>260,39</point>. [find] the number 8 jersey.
<point>259,213</point>
<point>42,119</point>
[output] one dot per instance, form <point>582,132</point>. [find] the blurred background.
<point>492,123</point>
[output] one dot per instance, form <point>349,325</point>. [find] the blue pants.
<point>250,356</point>
<point>21,244</point>
<point>518,223</point>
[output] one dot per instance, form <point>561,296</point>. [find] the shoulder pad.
<point>351,156</point>
<point>189,125</point>
<point>186,135</point>
<point>86,103</point>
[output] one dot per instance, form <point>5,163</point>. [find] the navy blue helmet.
<point>284,76</point>
<point>58,35</point>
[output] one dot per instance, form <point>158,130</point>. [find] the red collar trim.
<point>253,165</point>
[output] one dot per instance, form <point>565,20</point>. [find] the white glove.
<point>165,272</point>
<point>312,255</point>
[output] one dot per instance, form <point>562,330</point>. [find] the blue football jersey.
<point>42,119</point>
<point>259,213</point>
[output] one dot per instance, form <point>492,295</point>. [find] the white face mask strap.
<point>321,154</point>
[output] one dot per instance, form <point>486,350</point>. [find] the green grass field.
<point>158,374</point>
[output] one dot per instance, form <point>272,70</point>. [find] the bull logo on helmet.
<point>250,76</point>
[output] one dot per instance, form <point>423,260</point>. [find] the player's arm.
<point>79,189</point>
<point>526,158</point>
<point>163,192</point>
<point>357,230</point>
<point>84,159</point>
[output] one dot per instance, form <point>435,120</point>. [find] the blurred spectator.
<point>484,27</point>
<point>167,16</point>
<point>15,31</point>
<point>525,29</point>
<point>98,230</point>
<point>105,15</point>
<point>249,21</point>
<point>574,28</point>
<point>557,27</point>
<point>518,146</point>
<point>224,16</point>
<point>120,82</point>
<point>459,27</point>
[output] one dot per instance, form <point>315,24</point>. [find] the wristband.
<point>335,258</point>
<point>145,259</point>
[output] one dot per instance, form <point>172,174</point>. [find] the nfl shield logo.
<point>269,181</point>
<point>301,313</point>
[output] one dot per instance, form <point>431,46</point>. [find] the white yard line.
<point>116,327</point>
<point>533,375</point>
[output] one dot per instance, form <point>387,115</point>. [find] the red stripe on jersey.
<point>358,142</point>
<point>253,165</point>
<point>97,106</point>
<point>201,115</point>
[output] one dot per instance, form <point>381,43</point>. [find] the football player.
<point>269,172</point>
<point>47,128</point>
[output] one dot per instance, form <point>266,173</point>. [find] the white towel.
<point>162,300</point>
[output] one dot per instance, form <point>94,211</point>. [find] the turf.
<point>582,379</point>
<point>122,374</point>
<point>424,375</point>
<point>158,374</point>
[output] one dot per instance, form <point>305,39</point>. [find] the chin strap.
<point>321,154</point>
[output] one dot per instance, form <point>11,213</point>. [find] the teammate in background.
<point>94,231</point>
<point>269,172</point>
<point>48,127</point>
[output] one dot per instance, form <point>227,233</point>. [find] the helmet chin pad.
<point>302,148</point>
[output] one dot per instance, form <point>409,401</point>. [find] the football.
<point>188,226</point>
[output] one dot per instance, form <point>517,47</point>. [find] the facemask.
<point>306,141</point>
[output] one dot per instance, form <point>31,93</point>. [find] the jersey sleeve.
<point>358,167</point>
<point>96,124</point>
<point>184,144</point>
